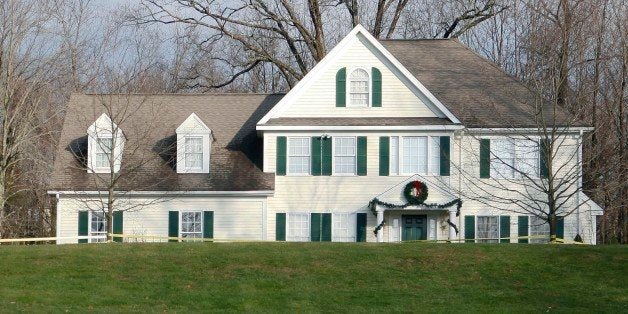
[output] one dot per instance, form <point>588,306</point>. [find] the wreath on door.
<point>415,192</point>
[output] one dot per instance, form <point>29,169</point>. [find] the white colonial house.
<point>382,141</point>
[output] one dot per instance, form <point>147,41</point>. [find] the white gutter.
<point>360,128</point>
<point>527,130</point>
<point>182,193</point>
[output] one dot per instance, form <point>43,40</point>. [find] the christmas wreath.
<point>415,192</point>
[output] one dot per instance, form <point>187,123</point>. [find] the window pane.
<point>298,227</point>
<point>359,88</point>
<point>98,227</point>
<point>527,156</point>
<point>103,152</point>
<point>299,155</point>
<point>503,157</point>
<point>344,155</point>
<point>193,153</point>
<point>343,227</point>
<point>415,155</point>
<point>435,155</point>
<point>191,225</point>
<point>487,229</point>
<point>539,228</point>
<point>394,155</point>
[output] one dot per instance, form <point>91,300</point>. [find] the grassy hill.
<point>314,277</point>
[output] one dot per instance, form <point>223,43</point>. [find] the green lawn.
<point>314,277</point>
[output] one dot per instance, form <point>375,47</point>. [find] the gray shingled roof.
<point>236,153</point>
<point>474,89</point>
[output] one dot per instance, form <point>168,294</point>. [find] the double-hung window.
<point>415,155</point>
<point>539,230</point>
<point>487,229</point>
<point>359,88</point>
<point>512,158</point>
<point>343,227</point>
<point>345,155</point>
<point>299,155</point>
<point>98,227</point>
<point>298,227</point>
<point>191,224</point>
<point>104,147</point>
<point>193,153</point>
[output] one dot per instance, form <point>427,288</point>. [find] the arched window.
<point>359,88</point>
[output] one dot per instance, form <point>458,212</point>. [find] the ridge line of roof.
<point>418,39</point>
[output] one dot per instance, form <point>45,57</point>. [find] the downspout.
<point>579,187</point>
<point>57,216</point>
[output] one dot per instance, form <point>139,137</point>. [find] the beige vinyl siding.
<point>234,218</point>
<point>398,100</point>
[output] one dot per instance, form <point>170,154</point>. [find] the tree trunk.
<point>552,224</point>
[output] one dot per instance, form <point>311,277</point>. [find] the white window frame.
<point>289,220</point>
<point>193,127</point>
<point>546,232</point>
<point>355,156</point>
<point>430,165</point>
<point>98,149</point>
<point>487,240</point>
<point>350,227</point>
<point>516,172</point>
<point>368,88</point>
<point>181,232</point>
<point>185,153</point>
<point>97,236</point>
<point>309,170</point>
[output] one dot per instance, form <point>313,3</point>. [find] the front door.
<point>414,227</point>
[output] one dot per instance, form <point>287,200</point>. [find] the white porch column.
<point>380,219</point>
<point>452,231</point>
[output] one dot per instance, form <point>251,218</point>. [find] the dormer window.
<point>194,140</point>
<point>105,145</point>
<point>359,88</point>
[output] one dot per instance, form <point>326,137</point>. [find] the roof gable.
<point>424,104</point>
<point>193,125</point>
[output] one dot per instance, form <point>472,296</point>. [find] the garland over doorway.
<point>415,193</point>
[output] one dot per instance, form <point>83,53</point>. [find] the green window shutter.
<point>316,156</point>
<point>326,227</point>
<point>560,227</point>
<point>118,225</point>
<point>360,232</point>
<point>384,155</point>
<point>341,87</point>
<point>208,224</point>
<point>83,225</point>
<point>377,87</point>
<point>543,158</point>
<point>444,155</point>
<point>315,227</point>
<point>173,225</point>
<point>281,156</point>
<point>523,228</point>
<point>326,157</point>
<point>485,158</point>
<point>469,228</point>
<point>361,155</point>
<point>504,229</point>
<point>280,226</point>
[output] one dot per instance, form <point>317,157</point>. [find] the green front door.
<point>414,227</point>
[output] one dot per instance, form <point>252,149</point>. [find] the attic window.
<point>105,144</point>
<point>194,140</point>
<point>359,88</point>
